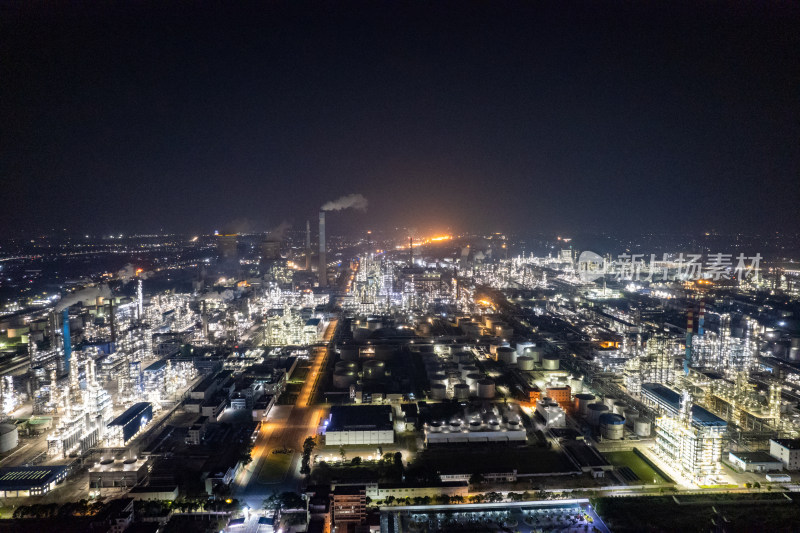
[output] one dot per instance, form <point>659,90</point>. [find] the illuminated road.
<point>286,427</point>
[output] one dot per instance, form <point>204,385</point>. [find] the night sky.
<point>573,117</point>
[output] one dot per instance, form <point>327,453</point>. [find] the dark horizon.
<point>599,117</point>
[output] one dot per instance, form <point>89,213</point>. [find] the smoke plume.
<point>88,293</point>
<point>351,201</point>
<point>278,233</point>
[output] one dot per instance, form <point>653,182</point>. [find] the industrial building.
<point>787,451</point>
<point>367,424</point>
<point>755,462</point>
<point>126,426</point>
<point>24,481</point>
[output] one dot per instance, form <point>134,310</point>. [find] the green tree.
<point>342,452</point>
<point>355,460</point>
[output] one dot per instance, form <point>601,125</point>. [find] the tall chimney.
<point>411,251</point>
<point>323,263</point>
<point>111,319</point>
<point>140,299</point>
<point>308,246</point>
<point>67,338</point>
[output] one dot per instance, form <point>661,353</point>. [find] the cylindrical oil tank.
<point>342,379</point>
<point>522,346</point>
<point>439,379</point>
<point>374,369</point>
<point>453,376</point>
<point>594,410</point>
<point>348,352</point>
<point>575,384</point>
<point>461,391</point>
<point>374,323</point>
<point>486,389</point>
<point>506,355</point>
<point>612,426</point>
<point>619,407</point>
<point>9,437</point>
<point>550,362</point>
<point>535,352</point>
<point>582,402</point>
<point>631,415</point>
<point>384,352</point>
<point>514,425</point>
<point>351,366</point>
<point>469,369</point>
<point>494,424</point>
<point>475,425</point>
<point>456,424</point>
<point>473,379</point>
<point>609,402</point>
<point>524,362</point>
<point>435,426</point>
<point>641,427</point>
<point>438,391</point>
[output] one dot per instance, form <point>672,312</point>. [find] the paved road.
<point>287,426</point>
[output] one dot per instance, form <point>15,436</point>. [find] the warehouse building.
<point>368,424</point>
<point>126,426</point>
<point>25,481</point>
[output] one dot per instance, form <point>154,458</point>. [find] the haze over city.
<point>344,267</point>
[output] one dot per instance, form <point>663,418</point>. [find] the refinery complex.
<point>399,267</point>
<point>377,374</point>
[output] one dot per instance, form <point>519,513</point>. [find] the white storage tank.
<point>550,362</point>
<point>440,379</point>
<point>9,437</point>
<point>631,415</point>
<point>461,391</point>
<point>473,379</point>
<point>435,426</point>
<point>525,363</point>
<point>535,352</point>
<point>612,426</point>
<point>469,369</point>
<point>486,389</point>
<point>575,384</point>
<point>582,402</point>
<point>641,427</point>
<point>619,407</point>
<point>506,355</point>
<point>374,369</point>
<point>342,379</point>
<point>438,391</point>
<point>522,346</point>
<point>594,410</point>
<point>609,401</point>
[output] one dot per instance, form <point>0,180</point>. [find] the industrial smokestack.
<point>140,300</point>
<point>323,263</point>
<point>308,245</point>
<point>67,339</point>
<point>411,251</point>
<point>111,319</point>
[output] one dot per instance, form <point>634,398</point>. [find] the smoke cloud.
<point>128,272</point>
<point>351,201</point>
<point>88,293</point>
<point>278,233</point>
